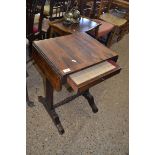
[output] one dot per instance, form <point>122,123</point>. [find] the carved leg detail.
<point>56,121</point>
<point>90,100</point>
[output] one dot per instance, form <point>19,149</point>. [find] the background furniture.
<point>91,9</point>
<point>55,9</point>
<point>28,101</point>
<point>114,13</point>
<point>84,25</point>
<point>59,7</point>
<point>33,8</point>
<point>68,58</point>
<point>117,14</point>
<point>34,20</point>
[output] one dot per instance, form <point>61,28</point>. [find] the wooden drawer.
<point>84,79</point>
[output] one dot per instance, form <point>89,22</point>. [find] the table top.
<point>71,53</point>
<point>84,25</point>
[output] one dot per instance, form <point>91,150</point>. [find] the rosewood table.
<point>85,25</point>
<point>77,60</point>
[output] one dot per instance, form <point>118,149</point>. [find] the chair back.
<point>33,7</point>
<point>90,8</point>
<point>59,7</point>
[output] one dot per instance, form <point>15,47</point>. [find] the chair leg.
<point>121,34</point>
<point>48,32</point>
<point>29,103</point>
<point>110,38</point>
<point>44,35</point>
<point>30,49</point>
<point>123,30</point>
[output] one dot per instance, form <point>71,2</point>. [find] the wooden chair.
<point>34,14</point>
<point>28,101</point>
<point>115,16</point>
<point>85,7</point>
<point>34,21</point>
<point>106,28</point>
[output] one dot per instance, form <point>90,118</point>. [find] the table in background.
<point>84,25</point>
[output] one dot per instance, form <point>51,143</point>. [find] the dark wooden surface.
<point>61,53</point>
<point>47,70</point>
<point>84,25</point>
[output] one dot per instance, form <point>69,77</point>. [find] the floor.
<point>86,133</point>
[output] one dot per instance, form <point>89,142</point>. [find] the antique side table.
<point>77,60</point>
<point>85,25</point>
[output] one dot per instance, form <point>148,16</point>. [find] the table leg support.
<point>90,100</point>
<point>57,122</point>
<point>48,104</point>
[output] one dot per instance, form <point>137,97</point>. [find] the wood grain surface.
<point>47,70</point>
<point>71,53</point>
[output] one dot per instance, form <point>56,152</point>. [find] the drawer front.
<point>84,79</point>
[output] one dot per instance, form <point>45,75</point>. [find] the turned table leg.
<point>48,104</point>
<point>90,100</point>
